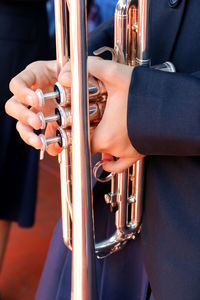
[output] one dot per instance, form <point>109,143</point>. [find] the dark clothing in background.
<point>23,39</point>
<point>89,3</point>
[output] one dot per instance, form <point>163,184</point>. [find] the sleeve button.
<point>174,3</point>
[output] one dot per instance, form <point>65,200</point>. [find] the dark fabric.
<point>23,2</point>
<point>166,128</point>
<point>89,4</point>
<point>164,123</point>
<point>119,276</point>
<point>102,36</point>
<point>23,39</point>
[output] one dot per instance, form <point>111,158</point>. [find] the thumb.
<point>96,145</point>
<point>64,77</point>
<point>109,72</point>
<point>100,68</point>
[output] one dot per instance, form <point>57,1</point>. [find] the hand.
<point>110,140</point>
<point>37,75</point>
<point>111,135</point>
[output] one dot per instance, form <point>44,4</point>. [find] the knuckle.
<point>12,84</point>
<point>33,65</point>
<point>25,115</point>
<point>18,126</point>
<point>113,70</point>
<point>7,105</point>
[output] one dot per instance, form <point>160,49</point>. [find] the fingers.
<point>65,75</point>
<point>38,74</point>
<point>21,113</point>
<point>94,142</point>
<point>119,165</point>
<point>27,121</point>
<point>107,157</point>
<point>28,136</point>
<point>99,68</point>
<point>19,86</point>
<point>109,72</point>
<point>54,149</point>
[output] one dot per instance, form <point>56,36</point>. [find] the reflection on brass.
<point>132,35</point>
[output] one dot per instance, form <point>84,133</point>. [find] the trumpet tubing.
<point>79,110</point>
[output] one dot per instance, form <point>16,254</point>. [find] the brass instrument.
<point>79,108</point>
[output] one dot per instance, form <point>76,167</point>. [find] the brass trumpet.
<point>80,108</point>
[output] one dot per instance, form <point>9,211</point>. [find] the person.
<point>23,39</point>
<point>56,279</point>
<point>153,114</point>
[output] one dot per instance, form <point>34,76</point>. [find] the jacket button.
<point>174,3</point>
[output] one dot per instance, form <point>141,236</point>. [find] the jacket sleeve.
<point>164,112</point>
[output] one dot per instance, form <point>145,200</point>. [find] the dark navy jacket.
<point>164,124</point>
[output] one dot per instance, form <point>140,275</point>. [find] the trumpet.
<point>78,110</point>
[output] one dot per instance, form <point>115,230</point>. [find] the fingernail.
<point>33,141</point>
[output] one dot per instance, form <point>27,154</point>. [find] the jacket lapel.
<point>166,23</point>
